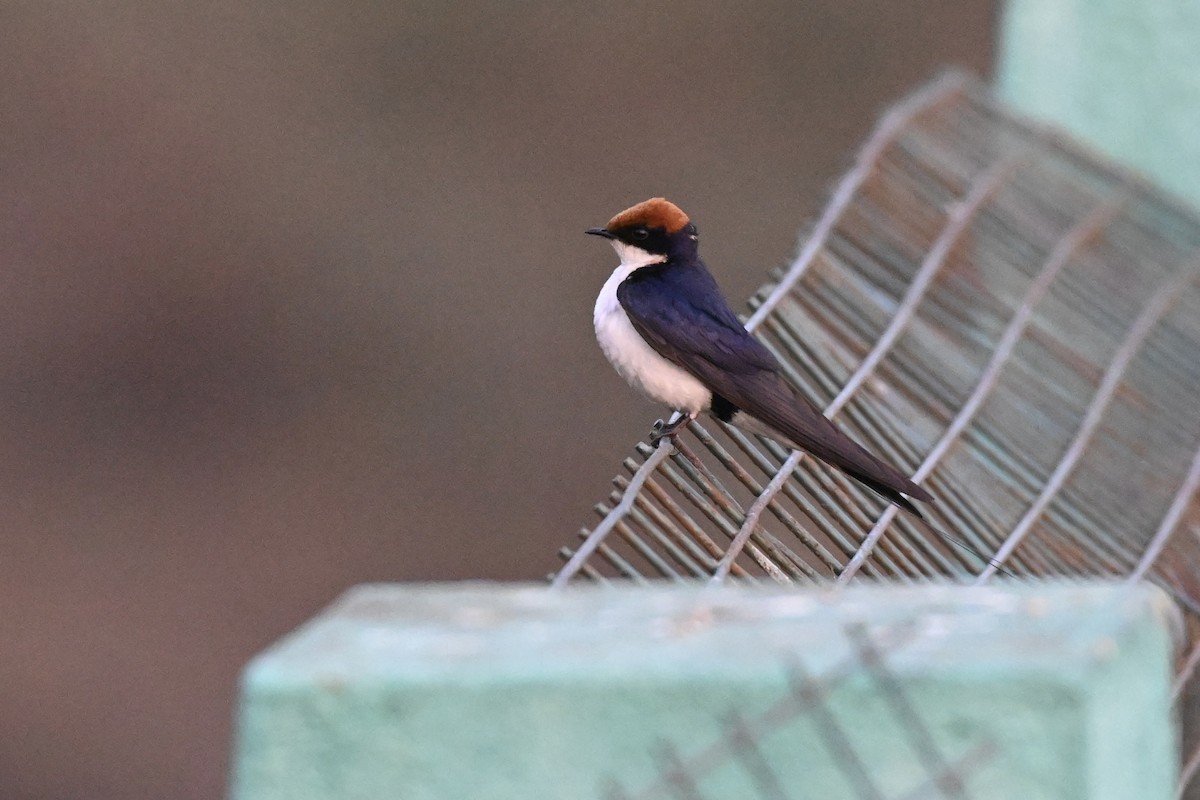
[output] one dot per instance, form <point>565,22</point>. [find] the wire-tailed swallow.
<point>663,323</point>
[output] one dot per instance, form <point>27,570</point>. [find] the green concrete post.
<point>1122,75</point>
<point>445,692</point>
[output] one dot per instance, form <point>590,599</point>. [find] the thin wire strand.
<point>1179,505</point>
<point>1187,773</point>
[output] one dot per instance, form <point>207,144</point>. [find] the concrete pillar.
<point>1122,75</point>
<point>445,692</point>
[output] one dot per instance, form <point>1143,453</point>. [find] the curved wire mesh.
<point>1004,316</point>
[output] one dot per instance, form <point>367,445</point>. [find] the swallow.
<point>663,323</point>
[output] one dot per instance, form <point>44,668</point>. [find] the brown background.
<point>295,299</point>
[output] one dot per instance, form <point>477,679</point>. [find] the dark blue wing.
<point>680,312</point>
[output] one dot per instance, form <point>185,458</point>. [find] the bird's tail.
<point>889,493</point>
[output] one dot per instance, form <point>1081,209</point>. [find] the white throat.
<point>634,257</point>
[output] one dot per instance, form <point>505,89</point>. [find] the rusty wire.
<point>993,310</point>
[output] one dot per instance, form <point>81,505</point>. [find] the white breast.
<point>636,361</point>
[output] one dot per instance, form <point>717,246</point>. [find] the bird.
<point>664,325</point>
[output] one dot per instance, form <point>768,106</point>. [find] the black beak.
<point>600,232</point>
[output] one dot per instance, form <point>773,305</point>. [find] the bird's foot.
<point>662,430</point>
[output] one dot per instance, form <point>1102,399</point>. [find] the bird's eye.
<point>640,234</point>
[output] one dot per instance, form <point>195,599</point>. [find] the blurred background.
<point>297,297</point>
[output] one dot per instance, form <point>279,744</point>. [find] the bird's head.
<point>651,232</point>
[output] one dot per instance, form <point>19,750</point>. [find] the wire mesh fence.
<point>994,310</point>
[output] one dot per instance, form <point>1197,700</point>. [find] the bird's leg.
<point>662,430</point>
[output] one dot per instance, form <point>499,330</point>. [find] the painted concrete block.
<point>1122,75</point>
<point>440,692</point>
